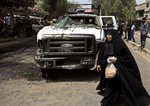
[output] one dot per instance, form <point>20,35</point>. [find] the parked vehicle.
<point>22,26</point>
<point>72,43</point>
<point>40,19</point>
<point>36,25</point>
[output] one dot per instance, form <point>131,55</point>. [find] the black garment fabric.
<point>120,29</point>
<point>129,29</point>
<point>128,82</point>
<point>104,53</point>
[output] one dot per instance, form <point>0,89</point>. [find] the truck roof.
<point>87,15</point>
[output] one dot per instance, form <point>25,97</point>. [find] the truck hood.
<point>50,31</point>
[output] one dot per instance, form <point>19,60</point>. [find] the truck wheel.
<point>45,73</point>
<point>49,74</point>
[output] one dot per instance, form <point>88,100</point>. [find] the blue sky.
<point>89,1</point>
<point>140,1</point>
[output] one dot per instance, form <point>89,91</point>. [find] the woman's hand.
<point>113,59</point>
<point>98,68</point>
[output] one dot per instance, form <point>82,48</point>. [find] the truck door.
<point>108,22</point>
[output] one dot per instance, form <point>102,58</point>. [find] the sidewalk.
<point>145,50</point>
<point>137,43</point>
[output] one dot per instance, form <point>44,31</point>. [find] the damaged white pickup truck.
<point>72,43</point>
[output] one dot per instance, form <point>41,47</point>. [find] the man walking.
<point>144,32</point>
<point>129,29</point>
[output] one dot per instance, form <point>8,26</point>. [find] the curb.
<point>146,51</point>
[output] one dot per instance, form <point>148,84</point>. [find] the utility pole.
<point>100,10</point>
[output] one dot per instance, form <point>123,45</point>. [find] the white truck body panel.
<point>52,31</point>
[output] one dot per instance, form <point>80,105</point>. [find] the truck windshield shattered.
<point>68,22</point>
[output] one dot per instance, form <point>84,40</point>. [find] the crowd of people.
<point>127,31</point>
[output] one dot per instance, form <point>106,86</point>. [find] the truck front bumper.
<point>65,63</point>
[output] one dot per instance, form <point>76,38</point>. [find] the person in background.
<point>127,84</point>
<point>129,29</point>
<point>7,19</point>
<point>8,22</point>
<point>1,24</point>
<point>54,21</point>
<point>125,29</point>
<point>144,32</point>
<point>120,29</point>
<point>132,31</point>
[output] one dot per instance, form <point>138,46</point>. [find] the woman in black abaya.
<point>127,83</point>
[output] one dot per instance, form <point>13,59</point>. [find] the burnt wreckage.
<point>72,43</point>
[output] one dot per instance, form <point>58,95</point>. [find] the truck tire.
<point>44,73</point>
<point>49,74</point>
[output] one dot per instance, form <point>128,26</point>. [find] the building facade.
<point>143,10</point>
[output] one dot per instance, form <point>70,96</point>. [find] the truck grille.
<point>68,45</point>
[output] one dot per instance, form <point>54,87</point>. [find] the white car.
<point>36,23</point>
<point>36,17</point>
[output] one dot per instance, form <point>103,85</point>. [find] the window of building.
<point>147,5</point>
<point>146,16</point>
